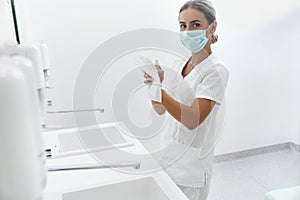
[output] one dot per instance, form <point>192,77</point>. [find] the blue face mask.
<point>194,40</point>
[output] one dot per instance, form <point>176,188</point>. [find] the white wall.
<point>6,22</point>
<point>259,44</point>
<point>263,96</point>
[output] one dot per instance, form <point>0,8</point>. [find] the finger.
<point>148,81</point>
<point>147,76</point>
<point>158,67</point>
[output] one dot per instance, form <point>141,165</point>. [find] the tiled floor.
<point>251,177</point>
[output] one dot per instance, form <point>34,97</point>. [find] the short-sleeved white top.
<point>188,154</point>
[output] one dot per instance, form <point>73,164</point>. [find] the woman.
<point>188,158</point>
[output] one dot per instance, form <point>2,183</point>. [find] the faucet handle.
<point>49,103</point>
<point>49,87</point>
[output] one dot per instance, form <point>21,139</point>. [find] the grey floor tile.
<point>251,177</point>
<point>276,170</point>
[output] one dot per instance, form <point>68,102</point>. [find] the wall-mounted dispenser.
<point>22,171</point>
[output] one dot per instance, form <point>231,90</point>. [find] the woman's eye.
<point>196,25</point>
<point>182,26</point>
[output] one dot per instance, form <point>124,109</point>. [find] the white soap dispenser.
<point>22,170</point>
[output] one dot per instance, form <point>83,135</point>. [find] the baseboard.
<point>294,146</point>
<point>256,151</point>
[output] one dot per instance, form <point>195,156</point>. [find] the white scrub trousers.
<point>197,193</point>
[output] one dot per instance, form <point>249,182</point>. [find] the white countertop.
<point>68,181</point>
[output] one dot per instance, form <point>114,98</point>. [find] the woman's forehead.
<point>191,14</point>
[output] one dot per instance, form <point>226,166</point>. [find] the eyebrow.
<point>196,20</point>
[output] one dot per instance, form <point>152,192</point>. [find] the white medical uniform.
<point>187,155</point>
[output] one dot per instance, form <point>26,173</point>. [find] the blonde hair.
<point>207,9</point>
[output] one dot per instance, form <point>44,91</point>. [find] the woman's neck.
<point>200,56</point>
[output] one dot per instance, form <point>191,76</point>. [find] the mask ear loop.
<point>210,27</point>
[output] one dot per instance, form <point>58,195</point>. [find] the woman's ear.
<point>211,29</point>
<point>214,26</point>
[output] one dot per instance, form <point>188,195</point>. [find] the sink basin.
<point>140,189</point>
<point>71,142</point>
<point>91,138</point>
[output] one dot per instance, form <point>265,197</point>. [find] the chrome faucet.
<point>101,110</point>
<point>135,165</point>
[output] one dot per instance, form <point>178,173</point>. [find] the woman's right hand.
<point>148,78</point>
<point>158,107</point>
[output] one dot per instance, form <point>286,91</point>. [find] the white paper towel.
<point>154,90</point>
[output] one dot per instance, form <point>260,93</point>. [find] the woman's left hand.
<point>160,72</point>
